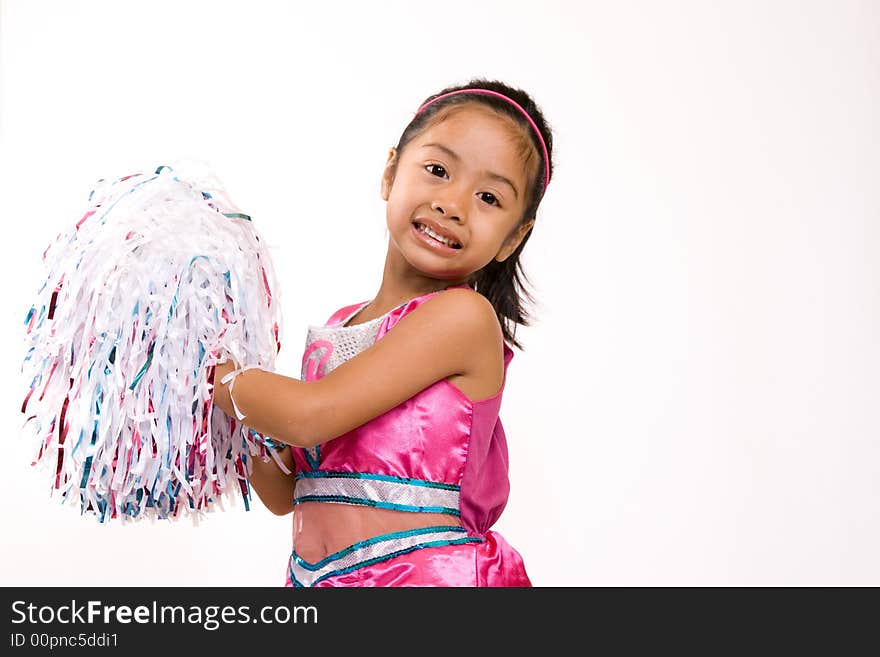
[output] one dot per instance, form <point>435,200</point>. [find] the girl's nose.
<point>447,208</point>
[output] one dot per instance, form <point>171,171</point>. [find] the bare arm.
<point>446,335</point>
<point>273,487</point>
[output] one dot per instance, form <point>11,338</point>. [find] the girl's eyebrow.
<point>455,156</point>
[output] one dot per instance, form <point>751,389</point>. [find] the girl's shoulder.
<point>457,292</point>
<point>459,304</point>
<point>457,310</point>
<point>467,302</point>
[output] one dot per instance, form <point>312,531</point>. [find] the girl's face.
<point>463,179</point>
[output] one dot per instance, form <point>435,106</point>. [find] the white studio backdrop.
<point>697,402</point>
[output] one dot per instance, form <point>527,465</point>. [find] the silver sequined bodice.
<point>347,341</point>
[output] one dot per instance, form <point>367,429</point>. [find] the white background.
<point>698,399</point>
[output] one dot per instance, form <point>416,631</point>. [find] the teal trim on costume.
<point>372,541</point>
<point>374,503</point>
<point>412,548</point>
<point>316,474</point>
<point>374,560</point>
<point>314,461</point>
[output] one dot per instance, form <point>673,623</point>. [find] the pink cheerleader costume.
<point>408,498</point>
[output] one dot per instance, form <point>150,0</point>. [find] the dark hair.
<point>500,282</point>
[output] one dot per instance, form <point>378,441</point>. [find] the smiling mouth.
<point>430,233</point>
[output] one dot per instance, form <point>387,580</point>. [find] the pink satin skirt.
<point>429,556</point>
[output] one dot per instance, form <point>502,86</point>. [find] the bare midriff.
<point>323,528</point>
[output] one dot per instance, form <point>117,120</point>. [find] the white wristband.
<point>230,378</point>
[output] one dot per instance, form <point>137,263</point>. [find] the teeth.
<point>437,237</point>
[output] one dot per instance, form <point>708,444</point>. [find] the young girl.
<point>398,456</point>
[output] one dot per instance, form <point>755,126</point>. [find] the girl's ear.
<point>388,174</point>
<point>512,242</point>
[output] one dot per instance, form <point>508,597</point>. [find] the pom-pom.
<point>158,281</point>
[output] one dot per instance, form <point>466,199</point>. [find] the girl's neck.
<point>399,285</point>
<point>384,302</point>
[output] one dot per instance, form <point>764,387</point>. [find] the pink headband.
<point>532,123</point>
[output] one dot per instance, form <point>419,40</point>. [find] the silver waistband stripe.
<point>374,550</point>
<point>382,491</point>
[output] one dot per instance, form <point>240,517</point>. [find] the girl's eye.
<point>490,198</point>
<point>435,167</point>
